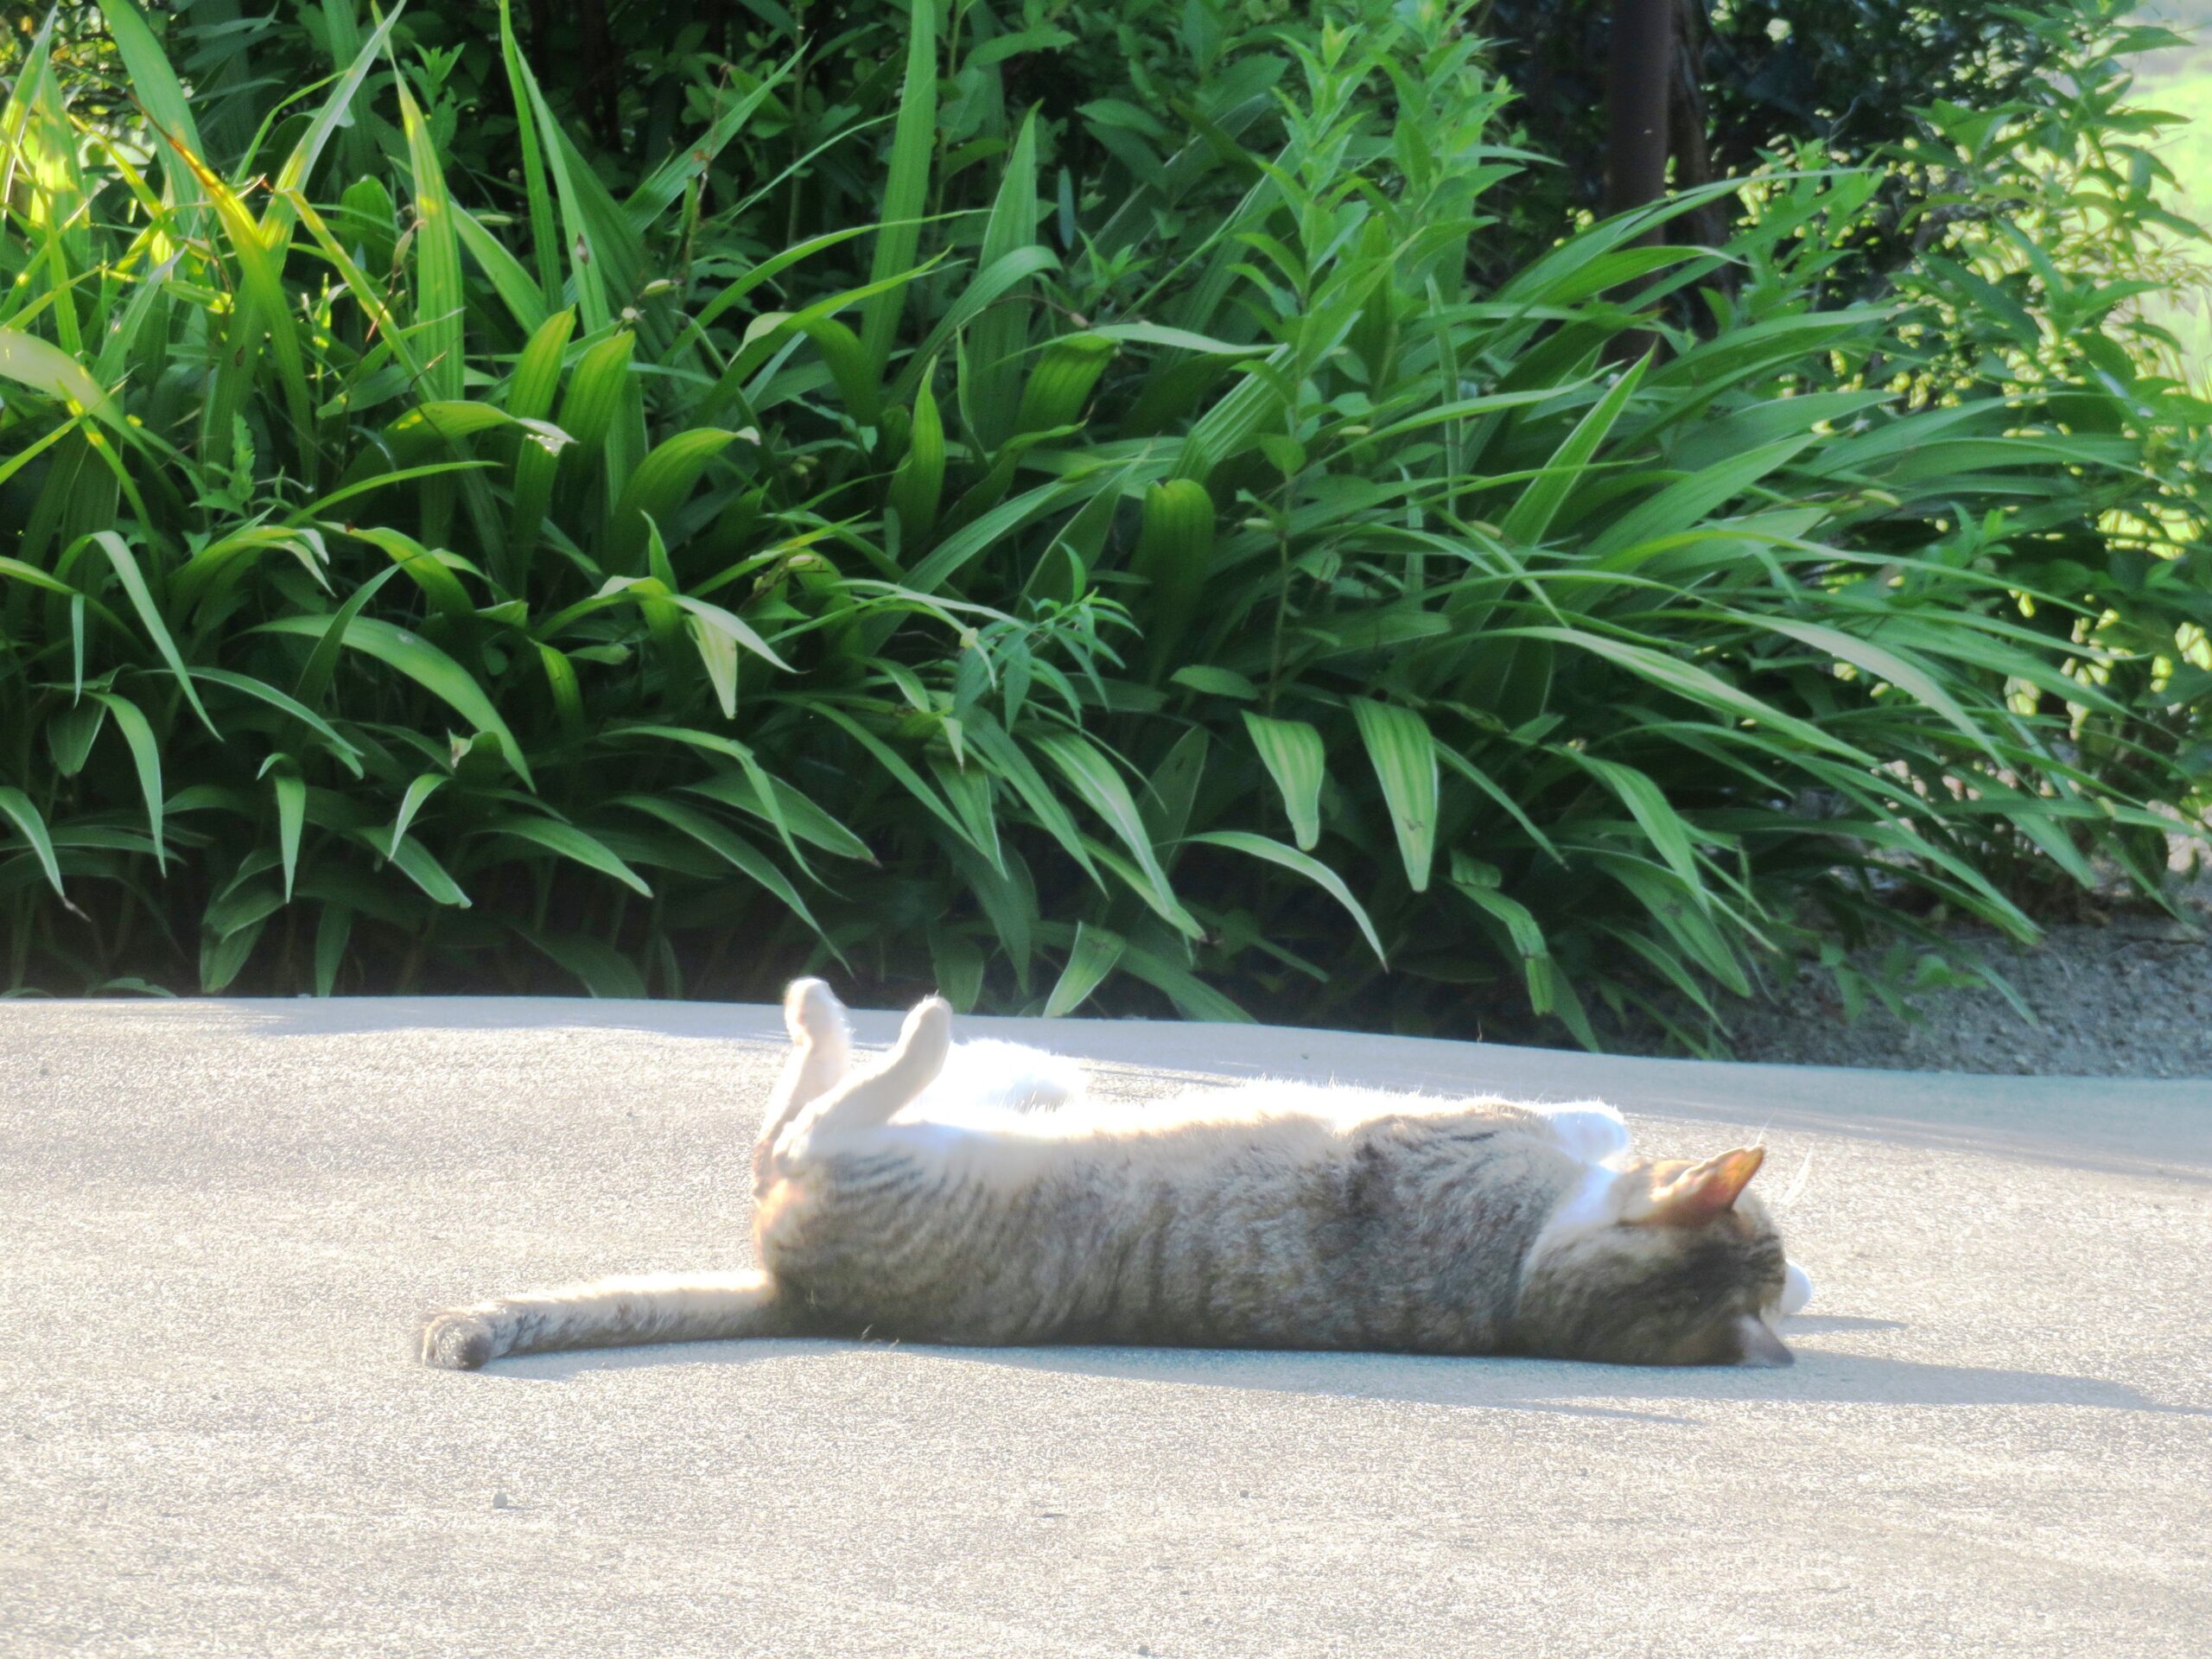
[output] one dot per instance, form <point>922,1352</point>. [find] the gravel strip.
<point>2131,998</point>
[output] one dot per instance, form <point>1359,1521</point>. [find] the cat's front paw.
<point>1796,1288</point>
<point>456,1340</point>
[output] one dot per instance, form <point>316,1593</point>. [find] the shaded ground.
<point>222,1219</point>
<point>2131,998</point>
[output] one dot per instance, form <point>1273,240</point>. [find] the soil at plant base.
<point>2131,998</point>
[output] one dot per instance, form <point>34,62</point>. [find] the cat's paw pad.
<point>456,1340</point>
<point>813,1012</point>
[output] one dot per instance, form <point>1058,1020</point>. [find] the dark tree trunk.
<point>1640,74</point>
<point>1686,124</point>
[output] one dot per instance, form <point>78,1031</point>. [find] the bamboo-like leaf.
<point>529,397</point>
<point>414,861</point>
<point>43,366</point>
<point>333,929</point>
<point>261,308</point>
<point>1061,381</point>
<point>438,295</point>
<point>595,388</point>
<point>348,755</point>
<point>570,843</point>
<point>664,479</point>
<point>1091,958</point>
<point>1273,852</point>
<point>1647,804</point>
<point>155,85</point>
<point>1174,554</point>
<point>905,775</point>
<point>667,182</point>
<point>1546,493</point>
<point>146,758</point>
<point>741,854</point>
<point>603,972</point>
<point>1101,788</point>
<point>1697,684</point>
<point>997,341</point>
<point>1907,675</point>
<point>1520,923</point>
<point>17,807</point>
<point>291,791</point>
<point>906,190</point>
<point>429,572</point>
<point>420,662</point>
<point>425,785</point>
<point>918,484</point>
<point>334,111</point>
<point>70,734</point>
<point>568,189</point>
<point>1294,755</point>
<point>787,809</point>
<point>1404,756</point>
<point>149,616</point>
<point>516,287</point>
<point>544,231</point>
<point>1689,500</point>
<point>1193,998</point>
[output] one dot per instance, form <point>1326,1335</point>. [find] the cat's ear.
<point>1703,1191</point>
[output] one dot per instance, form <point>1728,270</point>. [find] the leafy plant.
<point>1066,592</point>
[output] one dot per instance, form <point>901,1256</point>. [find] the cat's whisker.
<point>1795,1190</point>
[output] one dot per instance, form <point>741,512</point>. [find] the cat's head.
<point>1659,1263</point>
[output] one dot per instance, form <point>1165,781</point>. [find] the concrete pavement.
<point>220,1219</point>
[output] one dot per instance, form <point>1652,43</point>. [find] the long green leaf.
<point>1292,753</point>
<point>146,757</point>
<point>906,190</point>
<point>1091,958</point>
<point>1289,858</point>
<point>570,843</point>
<point>1404,757</point>
<point>17,806</point>
<point>422,662</point>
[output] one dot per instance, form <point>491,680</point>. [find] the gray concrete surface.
<point>220,1219</point>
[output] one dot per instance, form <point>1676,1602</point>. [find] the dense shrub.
<point>1140,586</point>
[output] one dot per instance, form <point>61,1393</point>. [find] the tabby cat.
<point>968,1194</point>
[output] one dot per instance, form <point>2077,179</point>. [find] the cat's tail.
<point>609,1313</point>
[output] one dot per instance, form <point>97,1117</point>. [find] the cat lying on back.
<point>970,1193</point>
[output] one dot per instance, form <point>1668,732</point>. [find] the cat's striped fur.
<point>970,1194</point>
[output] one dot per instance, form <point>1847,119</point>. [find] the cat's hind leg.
<point>868,1098</point>
<point>822,1053</point>
<point>607,1313</point>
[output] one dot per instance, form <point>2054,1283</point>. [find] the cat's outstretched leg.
<point>607,1313</point>
<point>821,1050</point>
<point>868,1098</point>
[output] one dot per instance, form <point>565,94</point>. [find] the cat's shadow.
<point>1645,1393</point>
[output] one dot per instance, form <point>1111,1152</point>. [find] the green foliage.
<point>1163,580</point>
